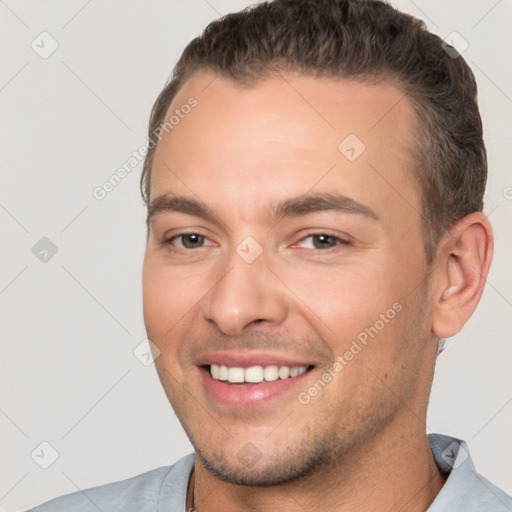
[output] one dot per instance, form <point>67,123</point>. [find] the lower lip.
<point>248,396</point>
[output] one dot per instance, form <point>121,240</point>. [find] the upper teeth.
<point>255,373</point>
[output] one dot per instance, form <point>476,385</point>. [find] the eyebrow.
<point>293,207</point>
<point>306,204</point>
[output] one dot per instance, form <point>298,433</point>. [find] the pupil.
<point>325,240</point>
<point>191,241</point>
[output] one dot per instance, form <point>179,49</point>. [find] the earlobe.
<point>463,261</point>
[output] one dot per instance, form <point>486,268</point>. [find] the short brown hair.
<point>362,40</point>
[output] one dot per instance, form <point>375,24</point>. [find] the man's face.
<point>289,252</point>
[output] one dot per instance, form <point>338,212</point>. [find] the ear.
<point>462,264</point>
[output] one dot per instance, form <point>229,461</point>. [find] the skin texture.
<point>359,443</point>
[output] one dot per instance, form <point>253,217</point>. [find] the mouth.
<point>247,385</point>
<point>255,374</point>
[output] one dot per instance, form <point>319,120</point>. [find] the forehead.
<point>292,133</point>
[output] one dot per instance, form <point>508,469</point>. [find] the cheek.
<point>343,300</point>
<point>167,296</point>
<point>362,316</point>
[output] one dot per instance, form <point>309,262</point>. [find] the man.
<point>314,188</point>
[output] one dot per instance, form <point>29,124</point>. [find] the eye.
<point>321,241</point>
<point>188,241</point>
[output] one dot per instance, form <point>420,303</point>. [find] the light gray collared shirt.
<point>165,489</point>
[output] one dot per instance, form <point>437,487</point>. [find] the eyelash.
<point>169,241</point>
<point>340,241</point>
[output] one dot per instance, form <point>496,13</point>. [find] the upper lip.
<point>243,359</point>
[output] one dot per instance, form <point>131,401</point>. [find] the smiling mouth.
<point>255,374</point>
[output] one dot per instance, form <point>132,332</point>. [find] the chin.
<point>249,466</point>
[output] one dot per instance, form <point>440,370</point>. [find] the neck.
<point>392,472</point>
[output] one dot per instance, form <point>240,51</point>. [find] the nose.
<point>246,294</point>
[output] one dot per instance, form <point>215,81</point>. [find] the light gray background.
<point>70,325</point>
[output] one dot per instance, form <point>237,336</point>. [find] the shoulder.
<point>141,493</point>
<point>477,494</point>
<point>465,490</point>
